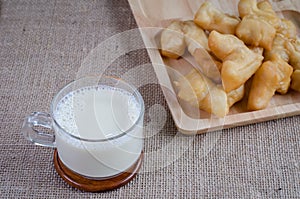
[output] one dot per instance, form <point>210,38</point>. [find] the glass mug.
<point>97,125</point>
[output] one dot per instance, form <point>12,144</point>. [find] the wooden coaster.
<point>90,185</point>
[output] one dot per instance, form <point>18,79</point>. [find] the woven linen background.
<point>42,47</point>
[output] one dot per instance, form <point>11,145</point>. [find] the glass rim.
<point>122,133</point>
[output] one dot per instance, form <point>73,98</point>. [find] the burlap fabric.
<point>42,47</point>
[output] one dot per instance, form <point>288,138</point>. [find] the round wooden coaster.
<point>91,185</point>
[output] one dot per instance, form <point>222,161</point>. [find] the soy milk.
<point>102,117</point>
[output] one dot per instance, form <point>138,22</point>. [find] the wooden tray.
<point>151,15</point>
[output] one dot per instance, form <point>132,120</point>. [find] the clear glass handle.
<point>31,126</point>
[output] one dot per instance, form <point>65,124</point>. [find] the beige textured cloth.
<point>42,47</point>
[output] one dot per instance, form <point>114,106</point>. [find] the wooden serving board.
<point>153,15</point>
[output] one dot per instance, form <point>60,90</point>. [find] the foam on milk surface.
<point>97,112</point>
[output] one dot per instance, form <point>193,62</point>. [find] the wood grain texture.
<point>93,185</point>
<point>151,17</point>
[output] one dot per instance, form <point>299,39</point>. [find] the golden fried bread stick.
<point>239,62</point>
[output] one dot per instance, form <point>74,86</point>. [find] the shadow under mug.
<point>96,125</point>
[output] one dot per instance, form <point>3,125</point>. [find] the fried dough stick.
<point>201,92</point>
<point>172,40</point>
<point>262,9</point>
<point>210,18</point>
<point>197,44</point>
<point>239,62</point>
<point>256,32</point>
<point>272,76</point>
<point>294,52</point>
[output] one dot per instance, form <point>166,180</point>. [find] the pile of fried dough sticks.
<point>255,55</point>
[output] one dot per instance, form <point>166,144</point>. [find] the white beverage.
<point>98,113</point>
